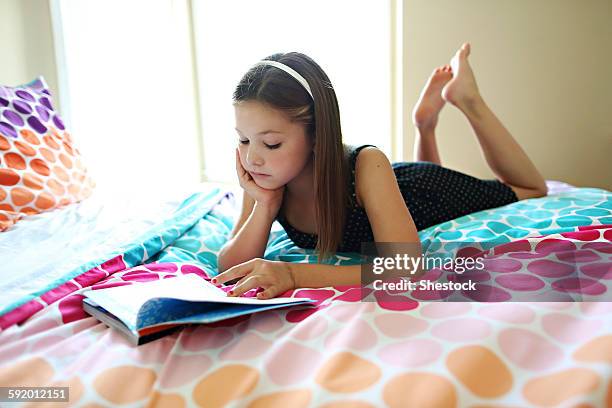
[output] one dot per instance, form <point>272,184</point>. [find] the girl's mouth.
<point>258,174</point>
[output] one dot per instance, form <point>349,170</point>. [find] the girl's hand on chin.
<point>271,198</point>
<point>274,277</point>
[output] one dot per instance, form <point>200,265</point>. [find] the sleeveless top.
<point>432,193</point>
<point>357,227</point>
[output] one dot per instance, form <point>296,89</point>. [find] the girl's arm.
<point>322,276</point>
<point>376,185</point>
<point>250,234</point>
<point>247,208</point>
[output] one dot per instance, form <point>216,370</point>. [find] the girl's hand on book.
<point>274,277</point>
<point>270,198</point>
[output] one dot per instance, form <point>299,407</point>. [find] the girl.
<point>294,168</point>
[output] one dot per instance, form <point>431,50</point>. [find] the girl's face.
<point>272,149</point>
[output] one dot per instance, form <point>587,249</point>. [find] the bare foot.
<point>462,90</point>
<point>425,113</point>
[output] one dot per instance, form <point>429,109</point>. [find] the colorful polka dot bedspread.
<point>396,350</point>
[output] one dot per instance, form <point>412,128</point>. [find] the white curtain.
<point>126,73</point>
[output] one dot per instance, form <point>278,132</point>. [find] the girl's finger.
<point>234,272</point>
<point>268,293</point>
<point>241,281</point>
<point>249,283</point>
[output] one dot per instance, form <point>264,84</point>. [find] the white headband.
<point>290,71</point>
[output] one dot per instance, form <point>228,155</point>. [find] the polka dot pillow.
<point>40,168</point>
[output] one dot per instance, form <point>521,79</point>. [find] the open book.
<point>147,311</point>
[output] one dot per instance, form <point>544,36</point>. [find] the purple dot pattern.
<point>22,107</point>
<point>35,124</point>
<point>13,117</point>
<point>25,95</point>
<point>46,103</point>
<point>7,129</point>
<point>27,107</point>
<point>43,113</point>
<point>58,122</point>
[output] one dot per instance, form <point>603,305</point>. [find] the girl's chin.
<point>267,184</point>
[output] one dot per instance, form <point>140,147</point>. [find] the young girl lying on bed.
<point>294,168</point>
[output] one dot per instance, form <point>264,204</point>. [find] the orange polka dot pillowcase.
<point>40,168</point>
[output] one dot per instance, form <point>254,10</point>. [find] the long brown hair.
<point>321,116</point>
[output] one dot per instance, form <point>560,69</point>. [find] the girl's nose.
<point>254,158</point>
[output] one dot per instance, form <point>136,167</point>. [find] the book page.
<point>124,301</point>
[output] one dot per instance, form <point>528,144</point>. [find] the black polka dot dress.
<point>433,194</point>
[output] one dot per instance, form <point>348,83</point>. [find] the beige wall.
<point>544,67</point>
<point>26,43</point>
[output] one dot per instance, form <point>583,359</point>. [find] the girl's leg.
<point>503,154</point>
<point>425,115</point>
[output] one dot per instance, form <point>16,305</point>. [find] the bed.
<point>344,352</point>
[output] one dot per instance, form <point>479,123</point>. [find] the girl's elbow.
<point>543,190</point>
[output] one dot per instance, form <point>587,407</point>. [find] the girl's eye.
<point>246,141</point>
